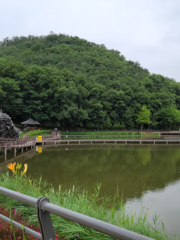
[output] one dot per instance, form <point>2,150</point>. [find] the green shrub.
<point>136,133</point>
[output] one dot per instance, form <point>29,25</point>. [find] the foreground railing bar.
<point>93,223</point>
<point>18,225</point>
<point>19,196</point>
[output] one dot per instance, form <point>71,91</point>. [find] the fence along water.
<point>44,208</point>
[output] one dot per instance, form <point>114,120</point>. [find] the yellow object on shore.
<point>39,138</point>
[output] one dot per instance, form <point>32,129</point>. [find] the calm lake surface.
<point>148,174</point>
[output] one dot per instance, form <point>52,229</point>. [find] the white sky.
<point>147,31</point>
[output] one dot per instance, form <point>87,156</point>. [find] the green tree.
<point>143,117</point>
<point>107,123</point>
<point>10,97</point>
<point>170,116</point>
<point>70,82</point>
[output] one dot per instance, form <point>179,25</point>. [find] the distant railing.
<point>23,142</point>
<point>20,158</point>
<point>16,142</point>
<point>96,137</point>
<point>44,208</point>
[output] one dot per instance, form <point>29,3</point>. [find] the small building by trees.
<point>30,124</point>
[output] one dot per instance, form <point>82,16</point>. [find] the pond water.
<point>146,176</point>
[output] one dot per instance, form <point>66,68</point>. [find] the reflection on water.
<point>20,157</point>
<point>148,172</point>
<point>10,155</point>
<point>163,202</point>
<point>134,168</point>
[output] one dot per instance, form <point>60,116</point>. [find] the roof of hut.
<point>30,121</point>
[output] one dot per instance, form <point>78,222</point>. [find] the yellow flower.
<point>25,169</point>
<point>11,166</point>
<point>18,167</point>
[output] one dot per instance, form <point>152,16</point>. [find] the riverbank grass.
<point>92,135</point>
<point>80,201</point>
<point>38,132</point>
<point>35,133</point>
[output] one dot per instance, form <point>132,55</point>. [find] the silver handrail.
<point>43,207</point>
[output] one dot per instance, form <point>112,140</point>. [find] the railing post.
<point>44,219</point>
<point>5,153</point>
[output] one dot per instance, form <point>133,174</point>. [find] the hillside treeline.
<point>68,82</point>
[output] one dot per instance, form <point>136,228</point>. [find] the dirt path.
<point>25,135</point>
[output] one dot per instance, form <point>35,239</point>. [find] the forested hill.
<point>69,82</point>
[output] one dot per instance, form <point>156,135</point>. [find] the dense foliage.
<point>69,82</point>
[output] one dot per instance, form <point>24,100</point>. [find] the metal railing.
<point>63,138</point>
<point>96,137</point>
<point>16,142</point>
<point>44,208</point>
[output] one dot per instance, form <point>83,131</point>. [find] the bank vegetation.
<point>77,200</point>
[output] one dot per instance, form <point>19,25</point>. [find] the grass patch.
<point>149,133</point>
<point>79,201</point>
<point>21,134</point>
<point>101,133</point>
<point>118,133</point>
<point>96,137</point>
<point>154,133</point>
<point>38,132</point>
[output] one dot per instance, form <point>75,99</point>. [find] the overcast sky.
<point>147,31</point>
